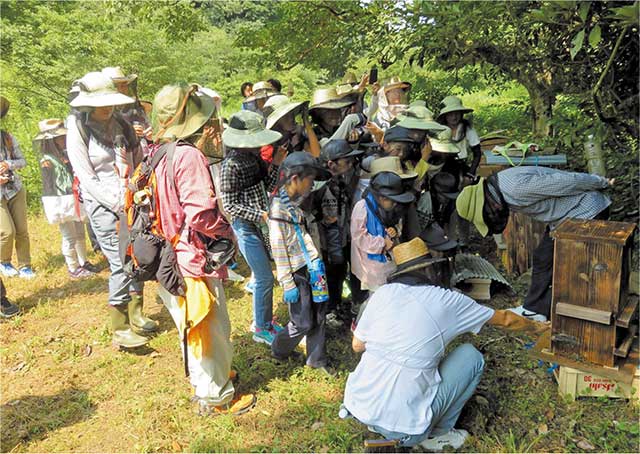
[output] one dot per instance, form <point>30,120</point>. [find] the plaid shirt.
<point>285,244</point>
<point>551,195</point>
<point>240,197</point>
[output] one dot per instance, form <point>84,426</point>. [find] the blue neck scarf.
<point>374,226</point>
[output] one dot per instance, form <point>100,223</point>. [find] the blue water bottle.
<point>318,281</point>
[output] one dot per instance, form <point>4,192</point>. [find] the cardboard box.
<point>576,383</point>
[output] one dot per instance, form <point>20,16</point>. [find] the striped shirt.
<point>285,246</point>
<point>551,195</point>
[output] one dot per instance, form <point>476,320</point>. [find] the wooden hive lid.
<point>594,230</point>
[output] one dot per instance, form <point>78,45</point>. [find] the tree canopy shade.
<point>549,47</point>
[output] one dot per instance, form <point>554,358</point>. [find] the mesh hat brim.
<point>416,123</point>
<point>443,146</point>
<point>335,104</point>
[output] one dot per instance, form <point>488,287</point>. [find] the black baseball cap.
<point>436,238</point>
<point>390,185</point>
<point>444,183</point>
<point>305,160</point>
<point>397,134</point>
<point>337,149</point>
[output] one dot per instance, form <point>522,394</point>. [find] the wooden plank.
<point>584,313</point>
<point>595,230</point>
<point>623,373</point>
<point>628,313</point>
<point>623,350</point>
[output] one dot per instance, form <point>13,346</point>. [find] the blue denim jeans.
<point>103,222</point>
<point>460,371</point>
<point>255,253</point>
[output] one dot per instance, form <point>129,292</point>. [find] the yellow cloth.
<point>421,168</point>
<point>200,306</point>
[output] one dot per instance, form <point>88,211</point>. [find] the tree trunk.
<point>542,101</point>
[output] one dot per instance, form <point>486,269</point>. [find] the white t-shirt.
<point>406,330</point>
<point>471,139</point>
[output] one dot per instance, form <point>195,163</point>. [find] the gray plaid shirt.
<point>9,190</point>
<point>551,195</point>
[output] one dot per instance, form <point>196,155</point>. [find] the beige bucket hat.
<point>50,128</point>
<point>98,90</point>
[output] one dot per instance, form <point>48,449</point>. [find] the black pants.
<point>306,319</point>
<point>538,298</point>
<point>336,274</point>
<point>3,291</point>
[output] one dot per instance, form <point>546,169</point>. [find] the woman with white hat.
<point>463,136</point>
<point>61,205</point>
<point>103,150</point>
<point>13,205</point>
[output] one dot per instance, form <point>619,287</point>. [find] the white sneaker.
<point>233,276</point>
<point>454,438</point>
<point>333,321</point>
<point>521,311</point>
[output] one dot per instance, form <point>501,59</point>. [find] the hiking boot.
<point>521,311</point>
<point>26,273</point>
<point>80,273</point>
<point>8,309</point>
<point>454,438</point>
<point>123,335</point>
<point>238,406</point>
<point>8,270</point>
<point>139,321</point>
<point>90,267</point>
<point>263,336</point>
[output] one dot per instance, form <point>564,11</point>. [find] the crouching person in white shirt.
<point>404,387</point>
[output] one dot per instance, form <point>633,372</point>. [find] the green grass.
<point>64,388</point>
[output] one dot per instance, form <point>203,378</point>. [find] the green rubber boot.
<point>138,321</point>
<point>123,335</point>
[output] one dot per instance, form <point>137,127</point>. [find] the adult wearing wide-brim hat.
<point>452,104</point>
<point>13,208</point>
<point>61,205</point>
<point>279,106</point>
<point>419,400</point>
<point>104,150</point>
<point>281,117</point>
<point>261,90</point>
<point>245,182</point>
<point>328,111</point>
<point>184,115</point>
<point>463,135</point>
<point>393,99</point>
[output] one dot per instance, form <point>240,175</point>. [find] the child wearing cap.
<point>375,223</point>
<point>294,254</point>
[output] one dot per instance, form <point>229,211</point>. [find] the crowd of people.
<point>361,198</point>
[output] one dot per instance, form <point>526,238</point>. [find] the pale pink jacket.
<point>371,273</point>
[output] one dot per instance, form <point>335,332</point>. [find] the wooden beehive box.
<point>591,313</point>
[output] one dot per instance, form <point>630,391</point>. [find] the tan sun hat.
<point>98,90</point>
<point>412,255</point>
<point>4,106</point>
<point>50,128</point>
<point>180,110</point>
<point>395,82</point>
<point>442,143</point>
<point>452,104</point>
<point>261,90</point>
<point>277,107</point>
<point>390,164</point>
<point>328,98</point>
<point>117,75</point>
